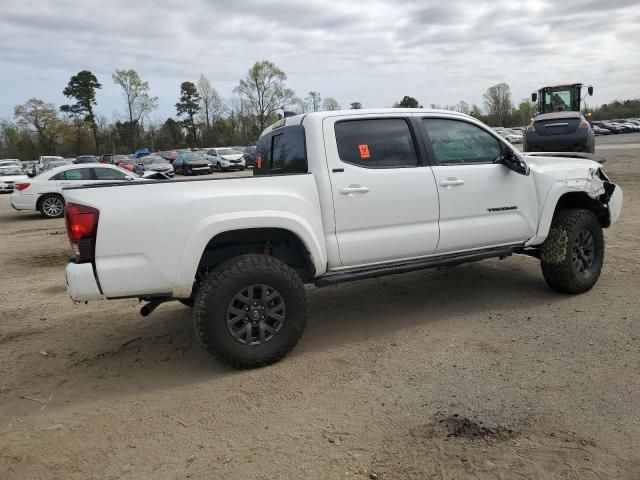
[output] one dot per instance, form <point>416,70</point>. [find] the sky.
<point>374,52</point>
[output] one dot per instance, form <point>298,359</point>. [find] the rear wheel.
<point>52,205</point>
<point>250,311</point>
<point>572,255</point>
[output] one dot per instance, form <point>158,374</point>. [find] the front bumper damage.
<point>607,193</point>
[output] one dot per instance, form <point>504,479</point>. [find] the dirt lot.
<point>478,371</point>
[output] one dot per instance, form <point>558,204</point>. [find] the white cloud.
<point>373,52</point>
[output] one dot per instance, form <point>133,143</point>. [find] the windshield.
<point>560,99</point>
<point>10,170</point>
<point>228,151</point>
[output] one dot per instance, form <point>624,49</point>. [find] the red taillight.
<point>82,229</point>
<point>22,186</point>
<point>583,124</point>
<point>530,128</point>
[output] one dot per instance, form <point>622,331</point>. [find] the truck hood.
<point>560,166</point>
<point>577,173</point>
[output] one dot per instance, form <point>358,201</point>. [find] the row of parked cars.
<point>186,161</point>
<point>512,134</point>
<point>39,186</point>
<point>610,127</point>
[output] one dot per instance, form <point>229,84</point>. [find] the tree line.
<point>204,118</point>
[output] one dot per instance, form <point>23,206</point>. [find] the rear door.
<point>482,203</point>
<point>384,194</point>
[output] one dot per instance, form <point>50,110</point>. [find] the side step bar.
<point>414,265</point>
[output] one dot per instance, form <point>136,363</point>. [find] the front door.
<point>482,203</point>
<point>385,198</point>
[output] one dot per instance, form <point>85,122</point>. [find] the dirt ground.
<point>477,371</point>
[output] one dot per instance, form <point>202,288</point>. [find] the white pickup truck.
<point>335,197</point>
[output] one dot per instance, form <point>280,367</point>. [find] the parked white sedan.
<point>10,174</point>
<point>44,192</point>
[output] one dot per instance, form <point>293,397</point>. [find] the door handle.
<point>451,182</point>
<point>352,189</point>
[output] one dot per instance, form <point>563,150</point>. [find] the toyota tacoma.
<point>335,197</point>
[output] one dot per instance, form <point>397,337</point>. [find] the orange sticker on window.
<point>364,151</point>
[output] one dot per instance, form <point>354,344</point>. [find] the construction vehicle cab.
<point>559,126</point>
<point>561,98</point>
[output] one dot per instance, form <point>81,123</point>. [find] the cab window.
<point>456,142</point>
<point>282,151</point>
<point>376,143</point>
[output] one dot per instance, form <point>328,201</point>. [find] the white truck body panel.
<point>155,229</point>
<point>151,236</point>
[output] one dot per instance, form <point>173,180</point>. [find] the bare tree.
<point>136,94</point>
<point>497,103</point>
<point>211,103</point>
<point>330,104</point>
<point>43,118</point>
<point>265,90</point>
<point>314,99</point>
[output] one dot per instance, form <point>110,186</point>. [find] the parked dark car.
<point>612,127</point>
<point>169,155</point>
<point>598,130</point>
<point>250,156</point>
<point>191,163</point>
<point>86,159</point>
<point>155,163</point>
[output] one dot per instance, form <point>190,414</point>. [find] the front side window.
<point>109,174</point>
<point>76,174</point>
<point>376,143</point>
<point>455,142</point>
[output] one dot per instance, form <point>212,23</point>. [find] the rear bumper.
<point>81,283</point>
<point>22,201</point>
<point>580,140</point>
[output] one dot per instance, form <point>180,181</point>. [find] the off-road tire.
<point>216,293</point>
<point>556,253</point>
<point>45,210</point>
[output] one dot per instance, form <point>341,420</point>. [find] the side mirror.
<point>510,160</point>
<point>534,97</point>
<point>590,90</point>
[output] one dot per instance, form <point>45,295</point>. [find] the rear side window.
<point>109,174</point>
<point>282,151</point>
<point>74,174</point>
<point>454,141</point>
<point>376,143</point>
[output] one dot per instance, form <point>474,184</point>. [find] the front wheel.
<point>573,253</point>
<point>52,206</point>
<point>250,311</point>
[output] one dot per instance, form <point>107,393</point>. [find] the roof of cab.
<point>298,119</point>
